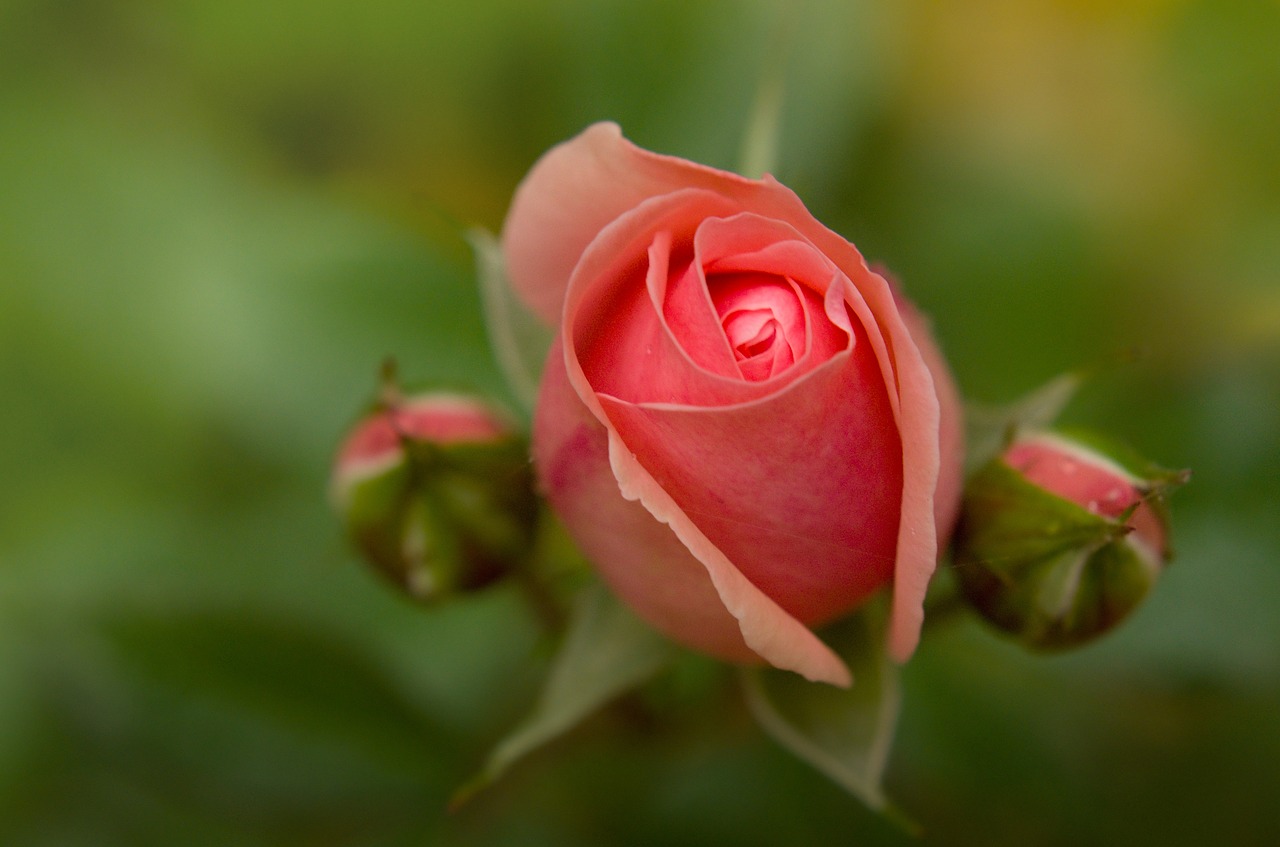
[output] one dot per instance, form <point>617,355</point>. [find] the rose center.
<point>762,319</point>
<point>750,332</point>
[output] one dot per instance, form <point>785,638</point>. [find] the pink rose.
<point>744,428</point>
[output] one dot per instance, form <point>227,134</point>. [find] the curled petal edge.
<point>767,629</point>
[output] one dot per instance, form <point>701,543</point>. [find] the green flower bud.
<point>1058,542</point>
<point>437,493</point>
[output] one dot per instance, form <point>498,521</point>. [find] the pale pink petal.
<point>916,405</point>
<point>766,628</point>
<point>946,504</point>
<point>580,186</point>
<point>574,191</point>
<point>749,243</point>
<point>920,425</point>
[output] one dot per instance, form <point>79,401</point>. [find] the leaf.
<point>759,152</point>
<point>606,651</point>
<point>844,733</point>
<point>989,427</point>
<point>520,341</point>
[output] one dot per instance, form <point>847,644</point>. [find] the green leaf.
<point>989,427</point>
<point>759,153</point>
<point>520,341</point>
<point>844,733</point>
<point>606,651</point>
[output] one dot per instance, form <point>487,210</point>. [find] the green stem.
<point>546,607</point>
<point>943,605</point>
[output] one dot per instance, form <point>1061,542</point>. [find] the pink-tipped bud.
<point>1059,539</point>
<point>436,492</point>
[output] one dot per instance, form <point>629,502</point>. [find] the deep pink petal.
<point>640,558</point>
<point>1090,480</point>
<point>799,490</point>
<point>664,568</point>
<point>622,341</point>
<point>683,301</point>
<point>917,402</point>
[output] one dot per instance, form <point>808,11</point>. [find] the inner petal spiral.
<point>763,320</point>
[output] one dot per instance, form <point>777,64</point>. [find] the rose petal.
<point>800,492</point>
<point>764,319</point>
<point>749,243</point>
<point>641,559</point>
<point>946,501</point>
<point>767,629</point>
<point>577,188</point>
<point>663,573</point>
<point>619,336</point>
<point>692,322</point>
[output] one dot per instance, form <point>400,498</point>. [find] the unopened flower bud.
<point>1058,542</point>
<point>437,492</point>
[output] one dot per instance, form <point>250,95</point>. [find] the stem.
<point>546,607</point>
<point>547,570</point>
<point>943,605</point>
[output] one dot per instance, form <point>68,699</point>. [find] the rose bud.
<point>741,425</point>
<point>1058,542</point>
<point>436,492</point>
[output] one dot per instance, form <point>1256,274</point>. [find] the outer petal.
<point>911,385</point>
<point>799,490</point>
<point>640,558</point>
<point>946,503</point>
<point>577,188</point>
<point>652,565</point>
<point>915,398</point>
<point>908,610</point>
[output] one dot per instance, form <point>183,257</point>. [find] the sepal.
<point>844,733</point>
<point>606,651</point>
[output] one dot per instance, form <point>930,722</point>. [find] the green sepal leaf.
<point>606,651</point>
<point>1008,521</point>
<point>845,733</point>
<point>520,341</point>
<point>989,429</point>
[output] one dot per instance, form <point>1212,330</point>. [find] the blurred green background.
<point>217,216</point>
